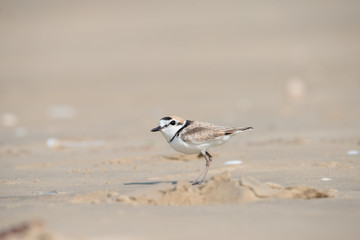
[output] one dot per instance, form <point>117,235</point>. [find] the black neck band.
<point>178,132</point>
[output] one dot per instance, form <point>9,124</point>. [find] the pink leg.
<point>204,172</point>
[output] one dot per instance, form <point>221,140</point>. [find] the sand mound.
<point>221,189</point>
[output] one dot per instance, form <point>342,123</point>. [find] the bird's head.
<point>169,126</point>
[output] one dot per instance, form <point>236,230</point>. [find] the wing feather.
<point>200,132</point>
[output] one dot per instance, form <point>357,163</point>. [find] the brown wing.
<point>199,132</point>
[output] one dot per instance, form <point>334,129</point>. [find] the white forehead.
<point>163,122</point>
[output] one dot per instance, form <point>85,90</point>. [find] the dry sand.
<point>220,189</point>
<point>82,84</point>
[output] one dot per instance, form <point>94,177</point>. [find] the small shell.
<point>233,162</point>
<point>325,179</point>
<point>352,152</point>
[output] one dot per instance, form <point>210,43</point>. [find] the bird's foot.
<point>196,182</point>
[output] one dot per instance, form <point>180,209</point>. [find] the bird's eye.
<point>172,122</point>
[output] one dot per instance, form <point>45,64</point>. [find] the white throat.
<point>170,131</point>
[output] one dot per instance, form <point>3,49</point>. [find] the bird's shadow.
<point>151,183</point>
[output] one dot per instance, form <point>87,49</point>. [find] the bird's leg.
<point>203,173</point>
<point>208,162</point>
<point>195,182</point>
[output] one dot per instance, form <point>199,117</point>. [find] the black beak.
<point>156,129</point>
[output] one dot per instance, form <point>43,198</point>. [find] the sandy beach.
<point>83,83</point>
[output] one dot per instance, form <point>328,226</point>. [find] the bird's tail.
<point>244,129</point>
<point>237,130</point>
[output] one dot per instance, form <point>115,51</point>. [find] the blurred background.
<point>114,68</point>
<point>83,82</point>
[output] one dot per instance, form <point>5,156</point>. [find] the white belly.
<point>188,148</point>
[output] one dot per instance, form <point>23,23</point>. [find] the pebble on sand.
<point>49,193</point>
<point>325,179</point>
<point>353,152</point>
<point>233,162</point>
<point>53,143</point>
